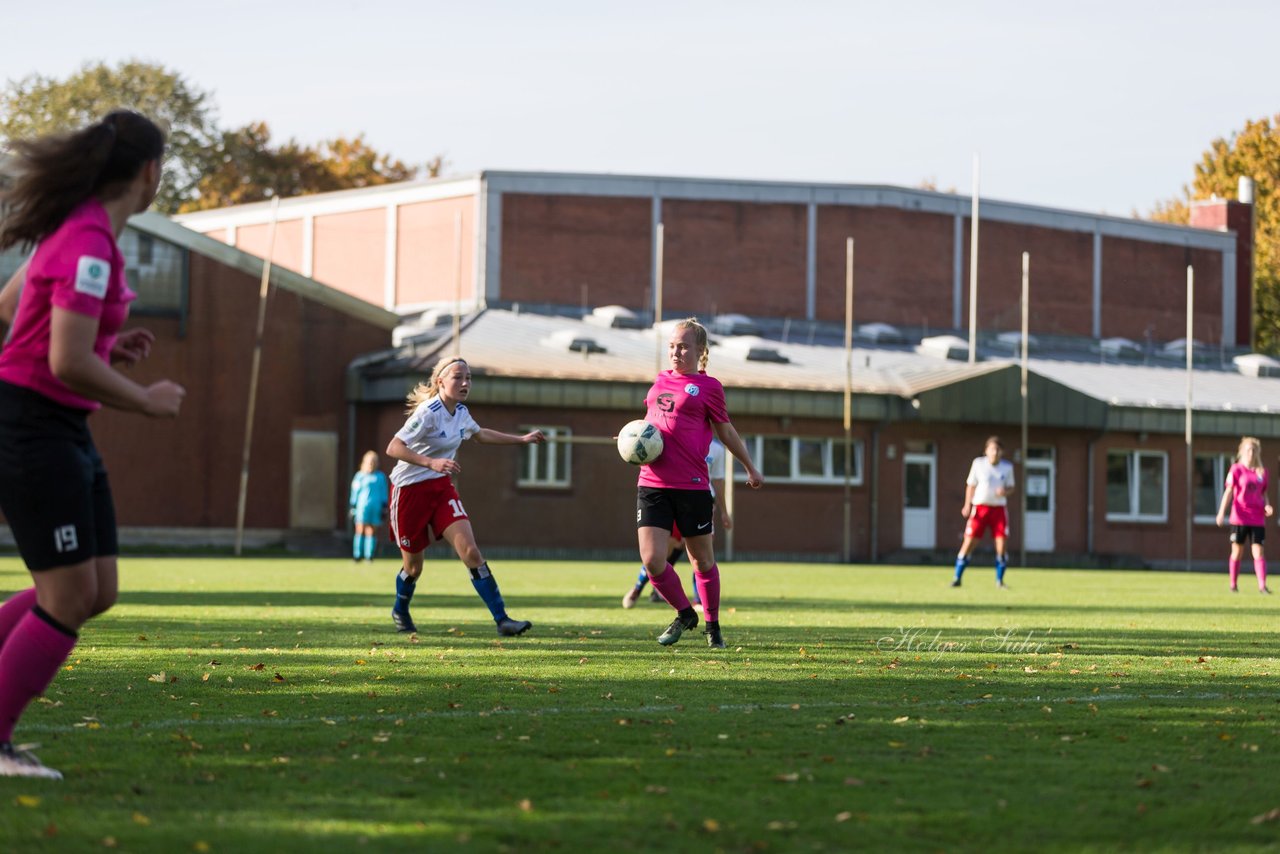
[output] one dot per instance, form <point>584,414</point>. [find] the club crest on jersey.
<point>691,390</point>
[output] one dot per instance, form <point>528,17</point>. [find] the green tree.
<point>247,167</point>
<point>1252,152</point>
<point>38,105</point>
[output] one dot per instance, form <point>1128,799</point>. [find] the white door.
<point>919,500</point>
<point>1039,487</point>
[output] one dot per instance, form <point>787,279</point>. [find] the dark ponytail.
<point>56,173</point>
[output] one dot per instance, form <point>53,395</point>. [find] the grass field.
<point>266,705</point>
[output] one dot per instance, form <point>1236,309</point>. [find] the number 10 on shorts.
<point>456,506</point>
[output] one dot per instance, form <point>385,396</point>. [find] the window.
<point>1137,486</point>
<point>801,459</point>
<point>548,464</point>
<point>156,270</point>
<point>1207,478</point>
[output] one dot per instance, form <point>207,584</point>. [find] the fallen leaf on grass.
<point>526,805</point>
<point>157,677</point>
<point>277,678</point>
<point>1161,768</point>
<point>27,801</point>
<point>258,666</point>
<point>710,825</point>
<point>140,819</point>
<point>1269,815</point>
<point>902,720</point>
<point>1143,783</point>
<point>843,816</point>
<point>786,778</point>
<point>854,781</point>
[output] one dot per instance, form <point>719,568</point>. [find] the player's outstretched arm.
<point>496,437</point>
<point>728,436</point>
<point>11,293</point>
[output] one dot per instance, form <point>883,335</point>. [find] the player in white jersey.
<point>424,503</point>
<point>987,491</point>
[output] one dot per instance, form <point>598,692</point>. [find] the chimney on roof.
<point>1237,216</point>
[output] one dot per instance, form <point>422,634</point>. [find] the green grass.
<point>265,705</point>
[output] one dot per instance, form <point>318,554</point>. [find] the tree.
<point>1253,152</point>
<point>247,167</point>
<point>38,105</point>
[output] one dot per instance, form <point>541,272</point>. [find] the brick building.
<point>762,249</point>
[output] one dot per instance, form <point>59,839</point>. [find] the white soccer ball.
<point>639,443</point>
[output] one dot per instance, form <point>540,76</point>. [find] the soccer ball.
<point>639,443</point>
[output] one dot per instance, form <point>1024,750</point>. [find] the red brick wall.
<point>734,257</point>
<point>1060,285</point>
<point>351,253</point>
<point>427,247</point>
<point>1144,290</point>
<point>902,265</point>
<point>555,246</point>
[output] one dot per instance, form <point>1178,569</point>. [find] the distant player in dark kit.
<point>72,198</point>
<point>1246,495</point>
<point>986,493</point>
<point>424,503</point>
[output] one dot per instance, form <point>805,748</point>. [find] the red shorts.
<point>421,511</point>
<point>985,516</point>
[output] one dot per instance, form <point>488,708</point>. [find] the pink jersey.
<point>683,407</point>
<point>1248,495</point>
<point>77,268</point>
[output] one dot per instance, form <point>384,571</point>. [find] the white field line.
<point>624,711</point>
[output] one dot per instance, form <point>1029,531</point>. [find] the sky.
<point>1092,106</point>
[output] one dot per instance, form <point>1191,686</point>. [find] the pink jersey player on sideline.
<point>687,406</point>
<point>1246,495</point>
<point>72,198</point>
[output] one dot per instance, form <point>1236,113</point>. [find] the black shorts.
<point>692,510</point>
<point>1245,533</point>
<point>53,487</point>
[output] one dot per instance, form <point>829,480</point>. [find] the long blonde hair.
<point>1257,450</point>
<point>423,392</point>
<point>700,338</point>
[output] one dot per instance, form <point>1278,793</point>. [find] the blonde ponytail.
<point>423,392</point>
<point>700,337</point>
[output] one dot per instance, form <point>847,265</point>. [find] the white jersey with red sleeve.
<point>985,478</point>
<point>434,432</point>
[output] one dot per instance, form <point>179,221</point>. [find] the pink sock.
<point>14,610</point>
<point>1260,570</point>
<point>709,592</point>
<point>1233,567</point>
<point>28,662</point>
<point>671,589</point>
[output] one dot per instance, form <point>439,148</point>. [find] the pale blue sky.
<point>1096,106</point>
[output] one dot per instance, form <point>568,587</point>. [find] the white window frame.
<point>1222,465</point>
<point>829,477</point>
<point>1134,456</point>
<point>549,451</point>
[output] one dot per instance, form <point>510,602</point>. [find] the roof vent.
<point>881,333</point>
<point>1257,365</point>
<point>1120,348</point>
<point>945,347</point>
<point>1177,349</point>
<point>1013,340</point>
<point>734,324</point>
<point>575,342</point>
<point>754,349</point>
<point>615,317</point>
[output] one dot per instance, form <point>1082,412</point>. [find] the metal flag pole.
<point>847,555</point>
<point>1191,287</point>
<point>973,267</point>
<point>1026,451</point>
<point>263,289</point>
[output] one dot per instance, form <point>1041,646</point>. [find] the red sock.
<point>671,589</point>
<point>709,592</point>
<point>14,610</point>
<point>29,660</point>
<point>1260,570</point>
<point>1233,567</point>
